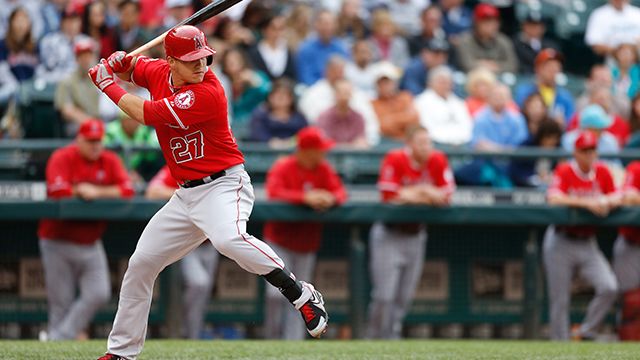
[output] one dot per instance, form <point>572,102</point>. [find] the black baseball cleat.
<point>112,357</point>
<point>311,306</point>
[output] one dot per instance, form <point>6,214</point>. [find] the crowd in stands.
<point>361,70</point>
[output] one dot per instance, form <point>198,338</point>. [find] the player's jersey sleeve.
<point>441,173</point>
<point>389,180</point>
<point>120,175</point>
<point>605,179</point>
<point>335,185</point>
<point>142,70</point>
<point>632,179</point>
<point>190,105</point>
<point>58,175</point>
<point>277,186</point>
<point>164,178</point>
<point>560,181</point>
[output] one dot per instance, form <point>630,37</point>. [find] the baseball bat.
<point>207,12</point>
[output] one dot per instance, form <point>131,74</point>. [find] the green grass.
<point>325,349</point>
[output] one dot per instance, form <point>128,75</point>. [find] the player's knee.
<point>98,296</point>
<point>142,266</point>
<point>609,289</point>
<point>200,285</point>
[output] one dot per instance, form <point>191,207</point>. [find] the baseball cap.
<point>84,44</point>
<point>312,137</point>
<point>437,44</point>
<point>484,11</point>
<point>548,54</point>
<point>387,70</point>
<point>534,16</point>
<point>92,129</point>
<point>586,140</point>
<point>594,117</point>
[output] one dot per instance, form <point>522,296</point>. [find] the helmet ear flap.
<point>209,60</point>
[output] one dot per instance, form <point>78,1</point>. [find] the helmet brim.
<point>197,54</point>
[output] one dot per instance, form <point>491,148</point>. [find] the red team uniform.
<point>163,177</point>
<point>632,184</point>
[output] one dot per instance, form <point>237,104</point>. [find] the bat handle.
<point>152,43</point>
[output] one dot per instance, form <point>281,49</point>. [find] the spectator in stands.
<point>303,178</point>
<point>277,121</point>
<point>341,123</point>
<point>57,60</point>
<point>231,34</point>
<point>625,71</point>
<point>315,51</point>
<point>94,24</point>
<point>537,172</point>
<point>416,175</point>
<point>360,70</point>
<point>618,128</point>
<point>595,119</point>
<point>249,88</point>
<point>126,133</point>
<point>431,21</point>
<point>298,26</point>
<point>531,40</point>
<point>434,53</point>
<point>32,8</point>
<point>351,25</point>
<point>583,182</point>
<point>634,123</point>
<point>406,15</point>
<point>176,11</point>
<point>480,81</point>
<point>76,97</point>
<point>271,55</point>
<point>612,24</point>
<point>559,101</point>
<point>442,112</point>
<point>72,253</point>
<point>320,97</point>
<point>385,43</point>
<point>457,19</point>
<point>601,76</point>
<point>535,112</point>
<point>198,267</point>
<point>19,49</point>
<point>485,45</point>
<point>394,109</point>
<point>128,33</point>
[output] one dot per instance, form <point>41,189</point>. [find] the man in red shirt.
<point>626,260</point>
<point>416,175</point>
<point>304,178</point>
<point>198,267</point>
<point>586,183</point>
<point>189,112</point>
<point>72,253</point>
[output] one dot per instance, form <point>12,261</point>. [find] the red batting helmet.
<point>187,43</point>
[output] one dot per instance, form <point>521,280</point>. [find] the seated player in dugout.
<point>303,178</point>
<point>583,182</point>
<point>198,267</point>
<point>72,253</point>
<point>418,175</point>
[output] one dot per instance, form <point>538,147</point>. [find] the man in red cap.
<point>585,183</point>
<point>215,198</point>
<point>485,46</point>
<point>303,178</point>
<point>72,253</point>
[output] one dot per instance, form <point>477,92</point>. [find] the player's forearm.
<point>567,200</point>
<point>133,106</point>
<point>108,192</point>
<point>631,198</point>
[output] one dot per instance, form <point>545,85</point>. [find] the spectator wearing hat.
<point>442,112</point>
<point>314,52</point>
<point>385,42</point>
<point>612,24</point>
<point>76,97</point>
<point>73,256</point>
<point>457,18</point>
<point>394,108</point>
<point>177,10</point>
<point>593,118</point>
<point>434,53</point>
<point>343,124</point>
<point>559,101</point>
<point>531,40</point>
<point>360,69</point>
<point>485,45</point>
<point>431,20</point>
<point>303,178</point>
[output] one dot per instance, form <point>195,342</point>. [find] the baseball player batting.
<point>189,112</point>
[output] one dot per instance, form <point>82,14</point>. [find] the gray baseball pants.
<point>563,256</point>
<point>396,261</point>
<point>626,264</point>
<point>282,321</point>
<point>70,267</point>
<point>199,273</point>
<point>218,211</point>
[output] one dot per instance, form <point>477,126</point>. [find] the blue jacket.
<point>563,102</point>
<point>312,58</point>
<point>414,79</point>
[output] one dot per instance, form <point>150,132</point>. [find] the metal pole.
<point>531,303</point>
<point>357,282</point>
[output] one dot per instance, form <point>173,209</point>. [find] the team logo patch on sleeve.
<point>185,100</point>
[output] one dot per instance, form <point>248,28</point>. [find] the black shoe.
<point>311,306</point>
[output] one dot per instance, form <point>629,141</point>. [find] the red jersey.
<point>288,181</point>
<point>632,184</point>
<point>191,121</point>
<point>398,170</point>
<point>163,177</point>
<point>570,180</point>
<point>67,168</point>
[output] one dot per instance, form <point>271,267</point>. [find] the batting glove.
<point>120,62</point>
<point>102,76</point>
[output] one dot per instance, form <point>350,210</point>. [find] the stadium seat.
<point>37,114</point>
